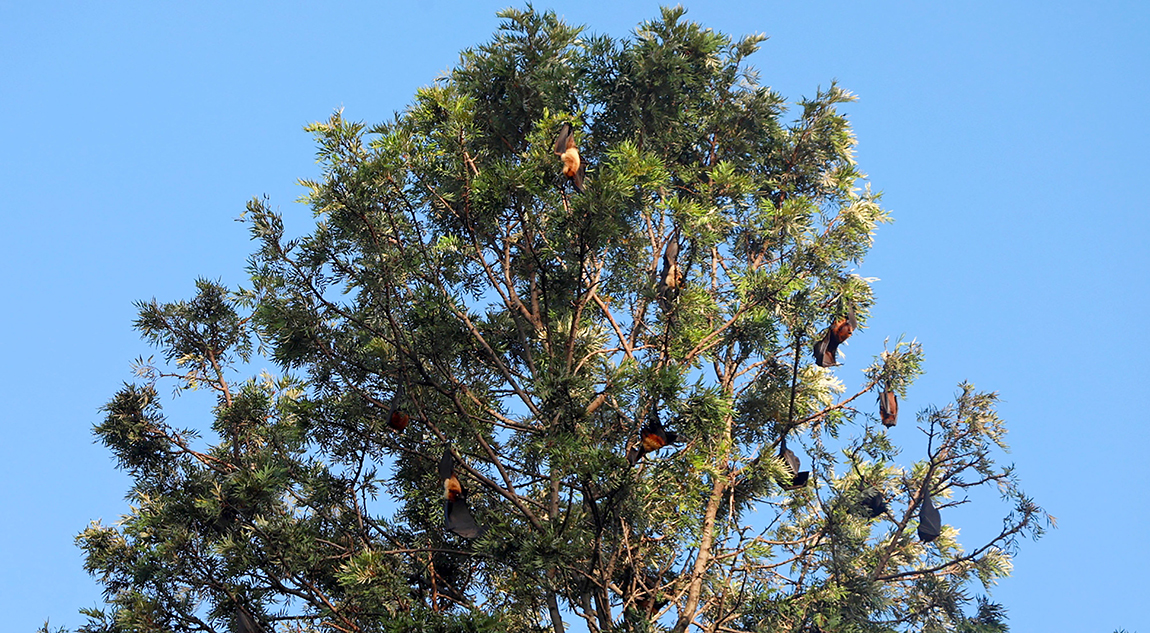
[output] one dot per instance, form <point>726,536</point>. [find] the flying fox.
<point>396,418</point>
<point>457,518</point>
<point>652,437</point>
<point>888,408</point>
<point>573,166</point>
<point>929,520</point>
<point>797,479</point>
<point>670,279</point>
<point>839,331</point>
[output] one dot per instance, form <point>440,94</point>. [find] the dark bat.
<point>573,166</point>
<point>456,517</point>
<point>888,408</point>
<point>872,504</point>
<point>245,623</point>
<point>798,479</point>
<point>929,521</point>
<point>652,437</point>
<point>670,279</point>
<point>396,418</point>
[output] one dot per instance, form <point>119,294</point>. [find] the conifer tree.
<point>623,373</point>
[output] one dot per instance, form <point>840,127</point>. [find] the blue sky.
<point>1008,139</point>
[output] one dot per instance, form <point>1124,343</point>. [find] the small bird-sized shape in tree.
<point>888,407</point>
<point>837,333</point>
<point>652,437</point>
<point>396,418</point>
<point>573,166</point>
<point>872,503</point>
<point>929,520</point>
<point>457,518</point>
<point>791,461</point>
<point>245,623</point>
<point>670,279</point>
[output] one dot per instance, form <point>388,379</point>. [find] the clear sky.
<point>1009,139</point>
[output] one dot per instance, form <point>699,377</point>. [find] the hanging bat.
<point>872,504</point>
<point>797,479</point>
<point>456,517</point>
<point>888,408</point>
<point>396,418</point>
<point>839,331</point>
<point>652,437</point>
<point>670,279</point>
<point>573,166</point>
<point>929,521</point>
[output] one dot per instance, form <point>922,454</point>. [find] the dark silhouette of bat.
<point>929,521</point>
<point>670,279</point>
<point>245,623</point>
<point>396,418</point>
<point>797,479</point>
<point>573,166</point>
<point>456,517</point>
<point>652,437</point>
<point>839,331</point>
<point>888,408</point>
<point>872,503</point>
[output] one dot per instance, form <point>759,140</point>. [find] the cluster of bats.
<point>653,436</point>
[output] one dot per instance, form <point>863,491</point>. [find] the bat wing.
<point>458,519</point>
<point>929,521</point>
<point>446,465</point>
<point>564,139</point>
<point>825,350</point>
<point>635,454</point>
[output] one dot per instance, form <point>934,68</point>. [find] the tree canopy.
<point>516,397</point>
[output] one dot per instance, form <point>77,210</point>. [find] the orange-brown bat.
<point>652,437</point>
<point>839,331</point>
<point>929,520</point>
<point>670,279</point>
<point>573,166</point>
<point>798,479</point>
<point>888,408</point>
<point>396,418</point>
<point>457,518</point>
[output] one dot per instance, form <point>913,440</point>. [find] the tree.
<point>462,314</point>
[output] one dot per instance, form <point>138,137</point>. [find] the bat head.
<point>398,420</point>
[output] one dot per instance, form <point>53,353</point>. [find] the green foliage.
<point>453,273</point>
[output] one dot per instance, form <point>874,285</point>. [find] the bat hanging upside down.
<point>457,518</point>
<point>652,437</point>
<point>837,333</point>
<point>929,520</point>
<point>670,279</point>
<point>396,418</point>
<point>798,479</point>
<point>573,166</point>
<point>888,408</point>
